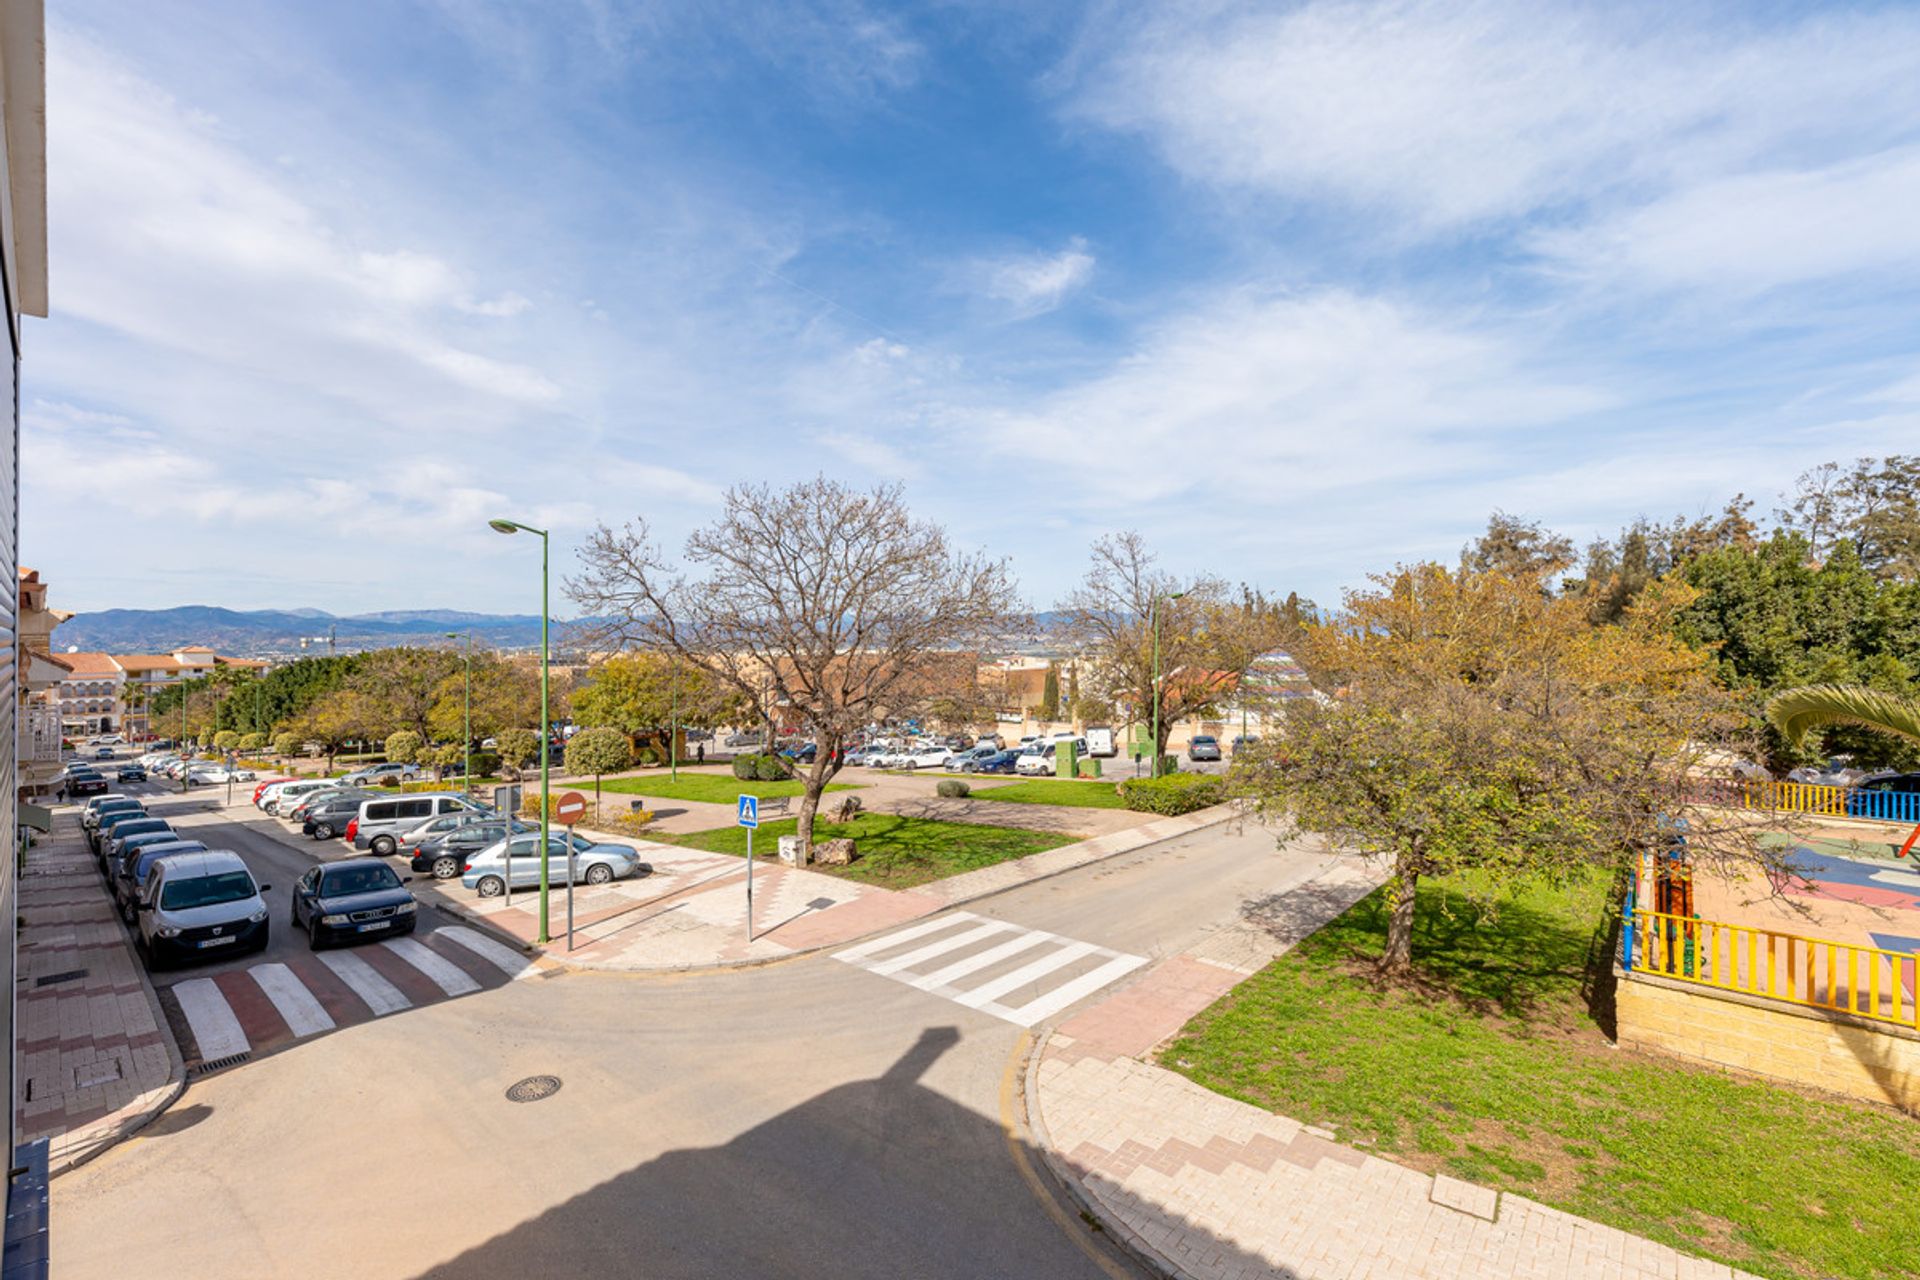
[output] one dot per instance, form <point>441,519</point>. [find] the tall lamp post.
<point>546,723</point>
<point>1153,624</point>
<point>467,744</point>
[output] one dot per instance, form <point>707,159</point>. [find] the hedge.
<point>1174,794</point>
<point>761,767</point>
<point>953,788</point>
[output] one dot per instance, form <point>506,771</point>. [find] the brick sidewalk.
<point>96,1059</point>
<point>1209,1188</point>
<point>692,911</point>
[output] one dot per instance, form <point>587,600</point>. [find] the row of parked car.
<point>1034,756</point>
<point>195,773</point>
<point>444,834</point>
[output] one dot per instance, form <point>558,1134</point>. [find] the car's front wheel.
<point>315,940</point>
<point>323,831</point>
<point>446,867</point>
<point>599,873</point>
<point>384,846</point>
<point>490,887</point>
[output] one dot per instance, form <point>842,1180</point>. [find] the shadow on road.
<point>882,1179</point>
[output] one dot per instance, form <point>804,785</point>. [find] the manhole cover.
<point>533,1088</point>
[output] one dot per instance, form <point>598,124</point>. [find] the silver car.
<point>486,872</point>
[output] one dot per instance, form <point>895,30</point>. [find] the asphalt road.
<point>805,1119</point>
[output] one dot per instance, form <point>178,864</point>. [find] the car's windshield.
<point>345,880</point>
<point>206,891</point>
<point>127,830</point>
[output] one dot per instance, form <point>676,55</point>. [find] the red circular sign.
<point>570,808</point>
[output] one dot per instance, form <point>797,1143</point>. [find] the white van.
<point>1100,740</point>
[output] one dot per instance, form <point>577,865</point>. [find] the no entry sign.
<point>570,808</point>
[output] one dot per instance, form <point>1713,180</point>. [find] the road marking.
<point>215,1030</point>
<point>1084,985</point>
<point>854,954</point>
<point>510,962</point>
<point>446,975</point>
<point>941,978</point>
<point>290,996</point>
<point>380,995</point>
<point>894,964</point>
<point>1019,978</point>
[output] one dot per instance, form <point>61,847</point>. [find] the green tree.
<point>403,746</point>
<point>335,719</point>
<point>286,744</point>
<point>1049,708</point>
<point>598,752</point>
<point>505,694</point>
<point>638,693</point>
<point>1874,504</point>
<point>518,747</point>
<point>1484,726</point>
<point>402,686</point>
<point>253,742</point>
<point>226,740</point>
<point>1798,712</point>
<point>1519,549</point>
<point>448,757</point>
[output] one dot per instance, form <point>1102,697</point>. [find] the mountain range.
<point>279,632</point>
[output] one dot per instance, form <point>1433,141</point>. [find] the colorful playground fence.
<point>1867,982</point>
<point>1814,798</point>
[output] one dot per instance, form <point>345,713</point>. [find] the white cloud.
<point>1442,116</point>
<point>1034,283</point>
<point>870,454</point>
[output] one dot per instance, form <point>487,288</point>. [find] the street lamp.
<point>546,724</point>
<point>467,744</point>
<point>1153,624</point>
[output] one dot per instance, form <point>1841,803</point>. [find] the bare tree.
<point>834,603</point>
<point>1126,610</point>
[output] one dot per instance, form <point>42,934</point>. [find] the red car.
<point>264,784</point>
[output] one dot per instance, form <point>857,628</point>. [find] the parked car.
<point>282,797</point>
<point>131,872</point>
<point>1100,741</point>
<point>958,763</point>
<point>745,739</point>
<point>432,829</point>
<point>329,818</point>
<point>998,762</point>
<point>203,775</point>
<point>354,898</point>
<point>802,754</point>
<point>100,806</point>
<point>933,757</point>
<point>446,856</point>
<point>130,773</point>
<point>199,904</point>
<point>108,821</point>
<point>1035,761</point>
<point>486,871</point>
<point>304,806</point>
<point>1891,796</point>
<point>375,775</point>
<point>379,823</point>
<point>260,787</point>
<point>114,841</point>
<point>1834,773</point>
<point>1203,746</point>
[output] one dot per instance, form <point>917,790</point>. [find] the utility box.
<point>1066,760</point>
<point>1090,768</point>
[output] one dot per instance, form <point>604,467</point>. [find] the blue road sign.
<point>749,811</point>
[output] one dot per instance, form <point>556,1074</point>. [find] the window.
<point>206,891</point>
<point>342,881</point>
<point>415,808</point>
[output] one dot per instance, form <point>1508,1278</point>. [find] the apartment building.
<point>110,692</point>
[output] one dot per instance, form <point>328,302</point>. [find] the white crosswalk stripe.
<point>446,975</point>
<point>504,958</point>
<point>290,996</point>
<point>216,1032</point>
<point>366,982</point>
<point>1054,969</point>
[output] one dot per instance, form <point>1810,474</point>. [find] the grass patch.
<point>712,788</point>
<point>895,852</point>
<point>1060,791</point>
<point>1486,1066</point>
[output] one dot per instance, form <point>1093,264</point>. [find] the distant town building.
<point>110,693</point>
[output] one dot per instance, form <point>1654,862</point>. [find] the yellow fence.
<point>1796,797</point>
<point>1865,981</point>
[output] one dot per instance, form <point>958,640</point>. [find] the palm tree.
<point>1796,712</point>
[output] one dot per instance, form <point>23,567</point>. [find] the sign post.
<point>749,818</point>
<point>567,810</point>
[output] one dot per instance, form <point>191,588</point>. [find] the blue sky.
<point>1298,290</point>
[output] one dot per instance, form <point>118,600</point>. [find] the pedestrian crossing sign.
<point>749,811</point>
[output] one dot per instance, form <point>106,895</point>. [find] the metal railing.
<point>1813,798</point>
<point>1868,982</point>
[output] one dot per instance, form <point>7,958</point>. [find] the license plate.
<point>214,942</point>
<point>377,924</point>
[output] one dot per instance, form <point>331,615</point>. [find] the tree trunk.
<point>815,785</point>
<point>1398,957</point>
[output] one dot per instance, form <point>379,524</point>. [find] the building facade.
<point>110,692</point>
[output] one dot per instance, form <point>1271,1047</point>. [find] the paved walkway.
<point>96,1060</point>
<point>691,912</point>
<point>1213,1189</point>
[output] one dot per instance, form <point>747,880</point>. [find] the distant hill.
<point>278,632</point>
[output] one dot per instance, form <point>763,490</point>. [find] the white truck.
<point>1100,740</point>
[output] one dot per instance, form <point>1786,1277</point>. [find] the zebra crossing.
<point>264,1006</point>
<point>1014,973</point>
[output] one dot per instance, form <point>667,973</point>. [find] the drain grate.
<point>221,1064</point>
<point>533,1088</point>
<point>68,976</point>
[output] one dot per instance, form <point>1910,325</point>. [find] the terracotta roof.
<point>89,664</point>
<point>194,648</point>
<point>146,662</point>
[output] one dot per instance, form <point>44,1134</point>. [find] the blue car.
<point>998,762</point>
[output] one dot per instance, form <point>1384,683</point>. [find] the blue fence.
<point>1888,806</point>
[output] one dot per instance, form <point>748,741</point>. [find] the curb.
<point>1062,1175</point>
<point>1230,812</point>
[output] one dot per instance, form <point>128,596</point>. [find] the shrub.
<point>761,767</point>
<point>629,824</point>
<point>285,744</point>
<point>599,751</point>
<point>953,789</point>
<point>649,755</point>
<point>226,740</point>
<point>403,746</point>
<point>253,741</point>
<point>485,763</point>
<point>1174,794</point>
<point>519,747</point>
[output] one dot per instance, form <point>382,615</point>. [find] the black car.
<point>1891,797</point>
<point>356,898</point>
<point>112,842</point>
<point>326,820</point>
<point>998,762</point>
<point>1204,746</point>
<point>108,821</point>
<point>84,782</point>
<point>130,773</point>
<point>446,856</point>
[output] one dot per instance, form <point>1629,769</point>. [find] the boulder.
<point>835,853</point>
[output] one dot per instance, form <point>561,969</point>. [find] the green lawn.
<point>1063,791</point>
<point>1488,1067</point>
<point>714,788</point>
<point>895,852</point>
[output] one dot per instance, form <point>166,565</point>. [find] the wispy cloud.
<point>1032,283</point>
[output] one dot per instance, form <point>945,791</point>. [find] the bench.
<point>776,806</point>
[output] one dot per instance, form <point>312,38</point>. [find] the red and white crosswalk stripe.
<point>269,1004</point>
<point>1023,979</point>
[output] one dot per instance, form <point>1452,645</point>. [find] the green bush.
<point>953,789</point>
<point>403,746</point>
<point>285,744</point>
<point>761,767</point>
<point>253,741</point>
<point>226,740</point>
<point>1174,794</point>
